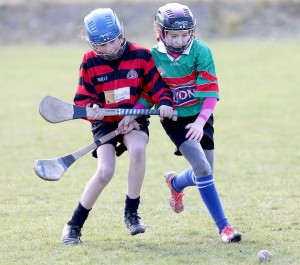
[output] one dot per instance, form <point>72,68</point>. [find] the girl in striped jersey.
<point>186,65</point>
<point>113,74</point>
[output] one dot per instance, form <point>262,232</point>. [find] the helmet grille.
<point>109,21</point>
<point>92,27</point>
<point>170,13</point>
<point>186,12</point>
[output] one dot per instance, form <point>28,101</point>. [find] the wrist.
<point>200,121</point>
<point>139,105</point>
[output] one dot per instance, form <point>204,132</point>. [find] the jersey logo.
<point>132,74</point>
<point>183,96</point>
<point>102,79</point>
<point>175,63</point>
<point>161,71</point>
<point>182,24</point>
<point>115,96</point>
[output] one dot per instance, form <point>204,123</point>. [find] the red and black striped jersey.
<point>120,83</point>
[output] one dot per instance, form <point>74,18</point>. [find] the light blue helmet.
<point>102,26</point>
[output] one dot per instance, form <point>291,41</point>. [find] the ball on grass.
<point>264,256</point>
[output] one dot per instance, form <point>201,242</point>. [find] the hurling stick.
<point>55,110</point>
<point>53,169</point>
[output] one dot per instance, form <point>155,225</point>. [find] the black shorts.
<point>176,131</point>
<point>100,128</point>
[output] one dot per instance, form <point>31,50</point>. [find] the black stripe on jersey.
<point>90,88</point>
<point>138,54</point>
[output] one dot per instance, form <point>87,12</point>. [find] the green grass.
<point>256,168</point>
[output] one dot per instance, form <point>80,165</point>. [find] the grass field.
<point>257,167</point>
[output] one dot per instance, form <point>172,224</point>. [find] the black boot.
<point>133,223</point>
<point>71,234</point>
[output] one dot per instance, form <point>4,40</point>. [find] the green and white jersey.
<point>191,76</point>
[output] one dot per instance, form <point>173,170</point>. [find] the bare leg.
<point>136,142</point>
<point>103,175</point>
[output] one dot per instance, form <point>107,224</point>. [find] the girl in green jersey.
<point>186,65</point>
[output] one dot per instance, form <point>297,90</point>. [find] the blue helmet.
<point>175,16</point>
<point>101,26</point>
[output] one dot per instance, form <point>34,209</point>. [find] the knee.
<point>104,175</point>
<point>137,153</point>
<point>203,169</point>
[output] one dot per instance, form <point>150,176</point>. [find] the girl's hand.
<point>165,112</point>
<point>128,123</point>
<point>195,132</point>
<point>98,114</point>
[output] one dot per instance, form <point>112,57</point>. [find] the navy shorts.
<point>100,128</point>
<point>176,131</point>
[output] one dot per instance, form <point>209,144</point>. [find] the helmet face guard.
<point>102,26</point>
<point>110,57</point>
<point>171,17</point>
<point>171,48</point>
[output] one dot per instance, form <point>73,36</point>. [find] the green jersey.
<point>191,76</point>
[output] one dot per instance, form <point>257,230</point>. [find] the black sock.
<point>79,216</point>
<point>132,205</point>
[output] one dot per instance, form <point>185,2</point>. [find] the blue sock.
<point>183,180</point>
<point>210,197</point>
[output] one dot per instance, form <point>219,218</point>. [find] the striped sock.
<point>210,197</point>
<point>183,180</point>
